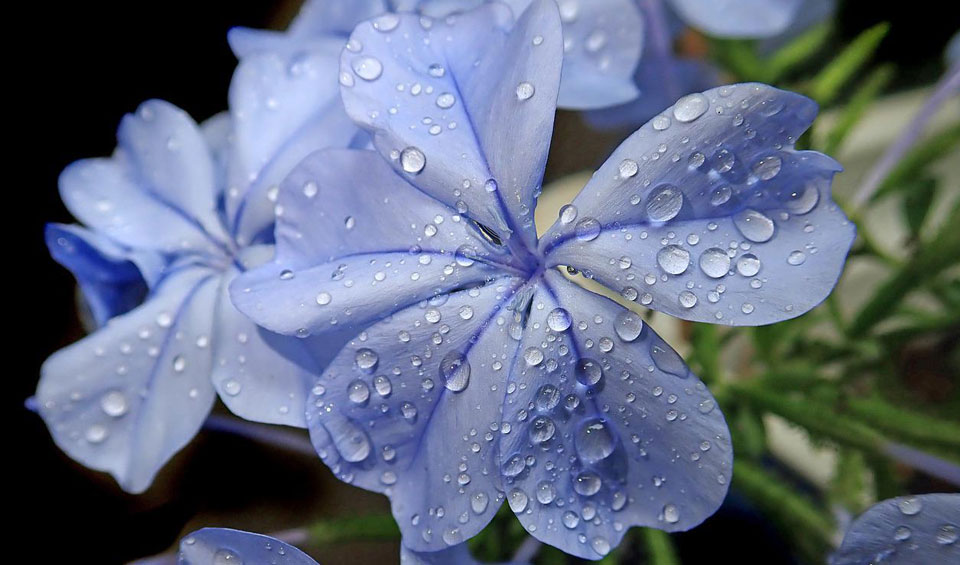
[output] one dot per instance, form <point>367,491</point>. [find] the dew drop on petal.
<point>594,441</point>
<point>455,371</point>
<point>366,360</point>
<point>665,204</point>
<point>715,263</point>
<point>690,107</point>
<point>412,160</point>
<point>368,68</point>
<point>559,320</point>
<point>587,229</point>
<point>673,259</point>
<point>525,91</point>
<point>754,225</point>
<point>628,326</point>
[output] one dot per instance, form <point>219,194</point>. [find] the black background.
<point>83,66</point>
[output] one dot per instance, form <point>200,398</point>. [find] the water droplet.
<point>412,160</point>
<point>96,433</point>
<point>754,225</point>
<point>409,411</point>
<point>661,122</point>
<point>446,100</point>
<point>367,68</point>
<point>910,505</point>
<point>668,361</point>
<point>687,299</point>
<point>587,484</point>
<point>386,23</point>
<point>748,265</point>
<point>600,545</point>
<point>323,298</point>
<point>232,387</point>
<point>673,259</point>
<point>533,356</point>
<point>226,557</point>
<point>796,258</point>
<point>525,91</point>
<point>479,502</point>
<point>559,320</point>
<point>114,403</point>
<point>568,213</point>
<point>541,429</point>
<point>804,200</point>
<point>455,371</point>
<point>588,229</point>
<point>358,392</point>
<point>383,385</point>
<point>715,263</point>
<point>517,500</point>
<point>902,533</point>
<point>947,534</point>
<point>690,107</point>
<point>628,326</point>
<point>436,70</point>
<point>671,514</point>
<point>588,372</point>
<point>366,360</point>
<point>721,195</point>
<point>665,204</point>
<point>351,443</point>
<point>547,397</point>
<point>310,189</point>
<point>570,519</point>
<point>767,167</point>
<point>628,168</point>
<point>179,364</point>
<point>594,441</point>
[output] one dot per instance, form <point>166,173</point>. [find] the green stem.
<point>660,549</point>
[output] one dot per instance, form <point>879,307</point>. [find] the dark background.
<point>83,66</point>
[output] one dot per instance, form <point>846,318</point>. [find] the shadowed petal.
<point>738,18</point>
<point>458,555</point>
<point>602,44</point>
<point>708,213</point>
<point>451,116</point>
<point>260,376</point>
<point>284,106</point>
<point>411,406</point>
<point>222,546</point>
<point>129,396</point>
<point>218,133</point>
<point>608,427</point>
<point>114,280</point>
<point>355,243</point>
<point>904,531</point>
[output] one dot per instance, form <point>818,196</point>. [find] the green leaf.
<point>797,51</point>
<point>706,347</point>
<point>905,425</point>
<point>867,92</point>
<point>371,527</point>
<point>659,546</point>
<point>739,56</point>
<point>849,485</point>
<point>916,204</point>
<point>840,71</point>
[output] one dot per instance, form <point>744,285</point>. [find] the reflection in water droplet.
<point>412,160</point>
<point>690,107</point>
<point>665,204</point>
<point>754,225</point>
<point>594,441</point>
<point>455,371</point>
<point>628,326</point>
<point>673,259</point>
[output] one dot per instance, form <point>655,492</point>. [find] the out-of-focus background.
<point>86,64</point>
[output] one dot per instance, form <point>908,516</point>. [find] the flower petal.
<point>738,18</point>
<point>407,419</point>
<point>451,116</point>
<point>173,161</point>
<point>216,546</point>
<point>602,45</point>
<point>113,280</point>
<point>709,214</point>
<point>126,398</point>
<point>355,243</point>
<point>285,105</point>
<point>608,427</point>
<point>903,531</point>
<point>260,376</point>
<point>458,554</point>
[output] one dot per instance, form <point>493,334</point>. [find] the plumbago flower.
<point>904,530</point>
<point>478,370</point>
<point>218,546</point>
<point>602,39</point>
<point>174,215</point>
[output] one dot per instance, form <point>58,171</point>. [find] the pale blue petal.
<point>456,555</point>
<point>906,530</point>
<point>260,376</point>
<point>126,398</point>
<point>738,18</point>
<point>602,45</point>
<point>447,112</point>
<point>355,243</point>
<point>284,106</point>
<point>607,427</point>
<point>173,161</point>
<point>114,280</point>
<point>709,214</point>
<point>222,546</point>
<point>218,133</point>
<point>412,407</point>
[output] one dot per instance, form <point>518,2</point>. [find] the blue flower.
<point>220,546</point>
<point>478,371</point>
<point>904,530</point>
<point>172,217</point>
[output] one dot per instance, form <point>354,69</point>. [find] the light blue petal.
<point>114,280</point>
<point>173,161</point>
<point>602,45</point>
<point>284,107</point>
<point>260,376</point>
<point>112,197</point>
<point>356,242</point>
<point>904,531</point>
<point>222,546</point>
<point>709,214</point>
<point>447,112</point>
<point>456,555</point>
<point>412,407</point>
<point>218,133</point>
<point>126,398</point>
<point>607,427</point>
<point>738,18</point>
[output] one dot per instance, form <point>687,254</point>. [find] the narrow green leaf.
<point>840,71</point>
<point>867,92</point>
<point>937,147</point>
<point>905,425</point>
<point>849,485</point>
<point>659,546</point>
<point>371,527</point>
<point>917,201</point>
<point>797,51</point>
<point>739,56</point>
<point>706,347</point>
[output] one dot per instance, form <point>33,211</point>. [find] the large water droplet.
<point>587,484</point>
<point>748,265</point>
<point>665,204</point>
<point>594,441</point>
<point>358,392</point>
<point>367,68</point>
<point>455,371</point>
<point>547,397</point>
<point>588,372</point>
<point>559,320</point>
<point>568,213</point>
<point>628,325</point>
<point>671,514</point>
<point>754,225</point>
<point>767,167</point>
<point>351,443</point>
<point>673,259</point>
<point>114,403</point>
<point>690,107</point>
<point>533,356</point>
<point>668,361</point>
<point>525,91</point>
<point>412,160</point>
<point>366,360</point>
<point>541,429</point>
<point>588,229</point>
<point>910,505</point>
<point>517,499</point>
<point>715,263</point>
